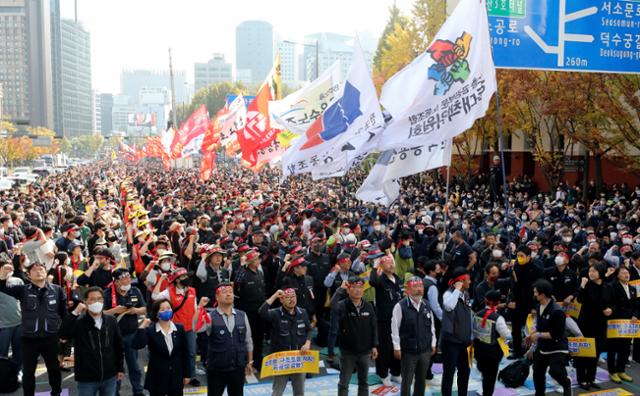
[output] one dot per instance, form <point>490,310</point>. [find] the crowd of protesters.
<point>106,260</point>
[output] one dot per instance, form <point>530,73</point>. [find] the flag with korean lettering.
<point>443,91</point>
<point>344,131</point>
<point>232,121</point>
<point>258,132</point>
<point>188,139</point>
<point>382,185</point>
<point>300,109</point>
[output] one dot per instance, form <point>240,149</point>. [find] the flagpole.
<point>446,210</point>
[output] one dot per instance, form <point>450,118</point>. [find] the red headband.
<point>297,262</point>
<point>460,278</point>
<point>343,260</point>
<point>223,289</point>
<point>415,283</point>
<point>289,291</point>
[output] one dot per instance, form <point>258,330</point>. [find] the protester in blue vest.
<point>456,332</point>
<point>230,354</point>
<point>488,326</point>
<point>414,337</point>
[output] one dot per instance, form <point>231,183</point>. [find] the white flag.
<point>382,186</point>
<point>232,121</point>
<point>443,91</point>
<point>300,109</point>
<point>344,131</point>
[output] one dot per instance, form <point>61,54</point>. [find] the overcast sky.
<point>137,33</point>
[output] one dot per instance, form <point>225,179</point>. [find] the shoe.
<point>594,385</point>
<point>194,382</point>
<point>200,371</point>
<point>625,377</point>
<point>386,381</point>
<point>397,379</point>
<point>20,376</point>
<point>584,386</point>
<point>334,364</point>
<point>615,378</point>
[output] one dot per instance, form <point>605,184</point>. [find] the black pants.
<point>586,367</point>
<point>175,392</point>
<point>202,343</point>
<point>556,363</point>
<point>257,336</point>
<point>454,356</point>
<point>217,381</point>
<point>32,348</point>
<point>385,362</point>
<point>518,321</point>
<point>618,350</point>
<point>488,358</point>
<point>348,363</point>
<point>636,350</point>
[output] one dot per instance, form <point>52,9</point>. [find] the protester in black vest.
<point>624,304</point>
<point>357,334</point>
<point>43,307</point>
<point>98,350</point>
<point>388,288</point>
<point>524,274</point>
<point>414,337</point>
<point>488,326</point>
<point>290,331</point>
<point>552,350</point>
<point>230,355</point>
<point>168,369</point>
<point>456,332</point>
<point>250,288</point>
<point>126,303</point>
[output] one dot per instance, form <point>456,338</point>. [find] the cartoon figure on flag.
<point>451,62</point>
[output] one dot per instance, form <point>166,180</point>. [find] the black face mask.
<point>185,282</point>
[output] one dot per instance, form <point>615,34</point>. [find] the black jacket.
<point>388,293</point>
<point>166,370</point>
<point>99,354</point>
<point>358,329</point>
<point>552,320</point>
<point>622,306</point>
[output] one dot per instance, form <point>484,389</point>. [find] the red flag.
<point>196,125</point>
<point>523,233</point>
<point>207,165</point>
<point>257,133</point>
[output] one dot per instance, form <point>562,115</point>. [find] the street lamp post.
<point>316,46</point>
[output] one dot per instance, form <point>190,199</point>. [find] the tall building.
<point>41,95</point>
<point>331,47</point>
<point>106,116</point>
<point>14,61</point>
<point>77,115</point>
<point>133,81</point>
<point>217,69</point>
<point>288,61</point>
<point>96,111</point>
<point>254,50</point>
<point>56,65</point>
<point>120,111</point>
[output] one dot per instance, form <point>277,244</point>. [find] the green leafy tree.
<point>395,17</point>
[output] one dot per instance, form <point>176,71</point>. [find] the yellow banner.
<point>622,329</point>
<point>573,309</point>
<point>609,392</point>
<point>531,324</point>
<point>503,346</point>
<point>582,347</point>
<point>290,362</point>
<point>365,275</point>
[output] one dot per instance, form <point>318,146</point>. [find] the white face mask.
<point>566,239</point>
<point>497,253</point>
<point>534,254</point>
<point>125,288</point>
<point>559,261</point>
<point>95,307</point>
<point>165,266</point>
<point>627,241</point>
<point>377,227</point>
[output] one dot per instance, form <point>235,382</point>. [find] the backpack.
<point>515,374</point>
<point>9,374</point>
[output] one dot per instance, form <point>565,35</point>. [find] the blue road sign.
<point>570,35</point>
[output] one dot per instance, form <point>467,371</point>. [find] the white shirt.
<point>168,336</point>
<point>626,290</point>
<point>396,319</point>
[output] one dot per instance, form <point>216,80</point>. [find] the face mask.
<point>440,247</point>
<point>465,227</point>
<point>95,307</point>
<point>377,228</point>
<point>165,315</point>
<point>256,223</point>
<point>420,231</point>
<point>125,288</point>
<point>241,226</point>
<point>627,241</point>
<point>566,239</point>
<point>185,282</point>
<point>412,222</point>
<point>165,266</point>
<point>534,254</point>
<point>559,261</point>
<point>522,260</point>
<point>524,218</point>
<point>497,253</point>
<point>613,235</point>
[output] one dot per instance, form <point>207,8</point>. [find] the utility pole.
<point>317,59</point>
<point>174,108</point>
